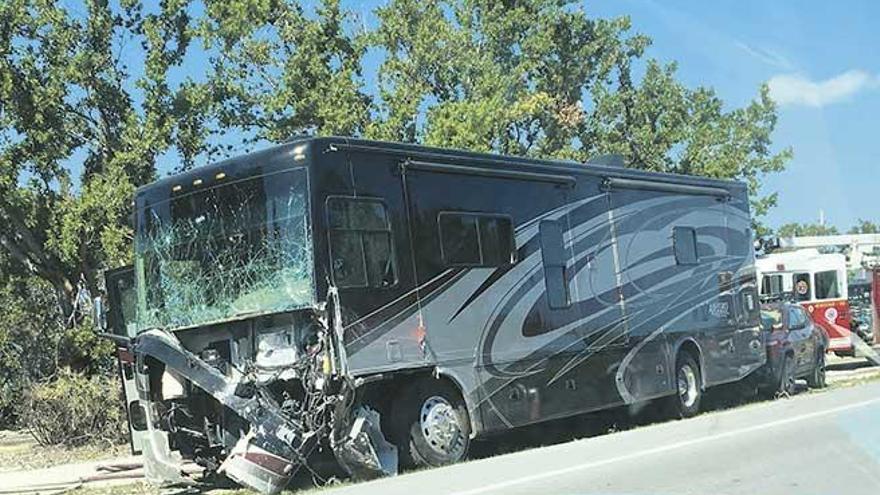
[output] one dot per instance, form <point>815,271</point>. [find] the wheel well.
<point>380,394</point>
<point>691,348</point>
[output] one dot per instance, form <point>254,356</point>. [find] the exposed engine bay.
<point>251,400</point>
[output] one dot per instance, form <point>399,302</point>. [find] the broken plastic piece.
<point>250,465</point>
<point>364,453</point>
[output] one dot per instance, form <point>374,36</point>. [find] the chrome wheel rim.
<point>439,425</point>
<point>687,385</point>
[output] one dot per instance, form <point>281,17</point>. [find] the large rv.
<point>391,302</point>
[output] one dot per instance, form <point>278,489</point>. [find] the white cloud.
<point>797,89</point>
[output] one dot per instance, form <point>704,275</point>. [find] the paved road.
<point>825,443</point>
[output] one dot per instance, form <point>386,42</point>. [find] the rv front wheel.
<point>430,425</point>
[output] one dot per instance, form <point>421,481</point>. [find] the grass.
<point>27,454</point>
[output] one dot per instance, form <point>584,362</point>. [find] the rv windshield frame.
<point>231,250</point>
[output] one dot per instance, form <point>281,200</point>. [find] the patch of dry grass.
<point>25,453</point>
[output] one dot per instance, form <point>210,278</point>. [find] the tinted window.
<point>684,240</point>
<point>468,239</point>
<point>361,250</point>
<point>553,256</point>
<point>826,285</point>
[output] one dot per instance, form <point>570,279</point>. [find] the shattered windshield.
<point>227,251</point>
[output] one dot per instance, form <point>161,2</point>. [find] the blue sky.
<point>820,59</point>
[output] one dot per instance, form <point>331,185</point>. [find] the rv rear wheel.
<point>689,389</point>
<point>430,425</point>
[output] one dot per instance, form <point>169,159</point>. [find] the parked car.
<point>795,348</point>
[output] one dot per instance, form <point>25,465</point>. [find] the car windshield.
<point>235,249</point>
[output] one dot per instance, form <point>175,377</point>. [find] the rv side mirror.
<point>99,316</point>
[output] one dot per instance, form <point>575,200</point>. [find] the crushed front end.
<point>255,421</point>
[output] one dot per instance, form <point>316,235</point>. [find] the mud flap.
<point>364,453</point>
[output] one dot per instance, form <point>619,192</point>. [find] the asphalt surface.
<point>826,443</point>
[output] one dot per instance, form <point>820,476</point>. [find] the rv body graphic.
<point>330,291</point>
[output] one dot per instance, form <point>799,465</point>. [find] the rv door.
<point>121,321</point>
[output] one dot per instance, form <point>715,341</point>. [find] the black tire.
<point>689,387</point>
<point>418,407</point>
<point>785,383</point>
<point>816,378</point>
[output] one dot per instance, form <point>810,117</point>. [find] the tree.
<point>806,229</point>
<point>542,78</point>
<point>865,227</point>
<point>281,72</point>
<point>78,132</point>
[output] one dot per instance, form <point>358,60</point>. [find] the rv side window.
<point>684,239</point>
<point>361,249</point>
<point>826,285</point>
<point>553,255</point>
<point>468,239</point>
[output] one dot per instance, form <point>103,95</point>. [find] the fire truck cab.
<point>818,282</point>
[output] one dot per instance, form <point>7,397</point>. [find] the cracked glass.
<point>232,250</point>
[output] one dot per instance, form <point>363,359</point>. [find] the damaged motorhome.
<point>391,302</point>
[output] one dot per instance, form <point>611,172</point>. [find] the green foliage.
<point>542,78</point>
<point>75,409</point>
<point>806,229</point>
<point>68,103</point>
<point>29,336</point>
<point>35,339</point>
<point>865,227</point>
<point>280,71</point>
